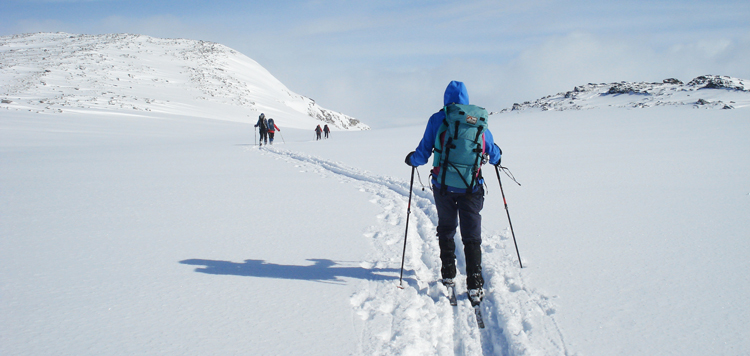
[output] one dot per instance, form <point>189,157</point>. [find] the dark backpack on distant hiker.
<point>271,126</point>
<point>263,125</point>
<point>459,146</point>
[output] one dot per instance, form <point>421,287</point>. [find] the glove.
<point>408,159</point>
<point>499,159</point>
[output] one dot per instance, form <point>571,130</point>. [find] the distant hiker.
<point>318,130</point>
<point>459,136</point>
<point>262,126</point>
<point>326,130</point>
<point>272,130</point>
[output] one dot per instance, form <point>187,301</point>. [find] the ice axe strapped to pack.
<point>459,146</point>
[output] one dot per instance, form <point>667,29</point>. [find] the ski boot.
<point>450,284</point>
<point>476,296</point>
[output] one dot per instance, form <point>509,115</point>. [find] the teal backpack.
<point>459,146</point>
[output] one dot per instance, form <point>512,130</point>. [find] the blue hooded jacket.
<point>455,93</point>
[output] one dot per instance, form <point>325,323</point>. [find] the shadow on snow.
<point>322,270</point>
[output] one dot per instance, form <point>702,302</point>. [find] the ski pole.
<point>255,137</point>
<point>497,170</point>
<point>282,137</point>
<point>408,212</point>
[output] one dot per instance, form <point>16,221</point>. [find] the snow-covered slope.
<point>133,74</point>
<point>709,91</point>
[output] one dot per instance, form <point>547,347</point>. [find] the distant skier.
<point>318,130</point>
<point>272,129</point>
<point>458,193</point>
<point>262,126</point>
<point>326,130</point>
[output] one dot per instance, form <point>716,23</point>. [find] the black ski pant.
<point>454,210</point>
<point>263,136</point>
<point>270,136</point>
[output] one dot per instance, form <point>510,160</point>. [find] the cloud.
<point>389,96</point>
<point>158,26</point>
<point>32,26</point>
<point>585,57</point>
<point>164,26</point>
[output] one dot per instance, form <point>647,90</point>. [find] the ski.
<point>452,295</point>
<point>478,313</point>
<point>454,302</point>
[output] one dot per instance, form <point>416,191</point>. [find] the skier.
<point>326,130</point>
<point>262,126</point>
<point>456,202</point>
<point>272,129</point>
<point>318,130</point>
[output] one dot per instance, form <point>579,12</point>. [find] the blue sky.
<point>386,62</point>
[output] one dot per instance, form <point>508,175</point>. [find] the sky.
<point>388,62</point>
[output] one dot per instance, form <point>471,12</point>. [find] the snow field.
<point>100,211</point>
<point>169,234</point>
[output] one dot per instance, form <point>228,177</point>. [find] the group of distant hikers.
<point>318,131</point>
<point>268,128</point>
<point>458,139</point>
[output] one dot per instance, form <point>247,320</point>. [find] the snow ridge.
<point>57,72</point>
<point>419,318</point>
<point>709,91</point>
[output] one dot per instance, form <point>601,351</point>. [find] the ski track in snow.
<point>418,320</point>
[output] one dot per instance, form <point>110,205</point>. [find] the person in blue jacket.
<point>457,204</point>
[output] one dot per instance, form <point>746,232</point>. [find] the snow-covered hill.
<point>709,91</point>
<point>134,74</point>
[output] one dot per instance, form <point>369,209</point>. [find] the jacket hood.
<point>456,93</point>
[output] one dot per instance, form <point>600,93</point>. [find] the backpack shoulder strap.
<point>437,148</point>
